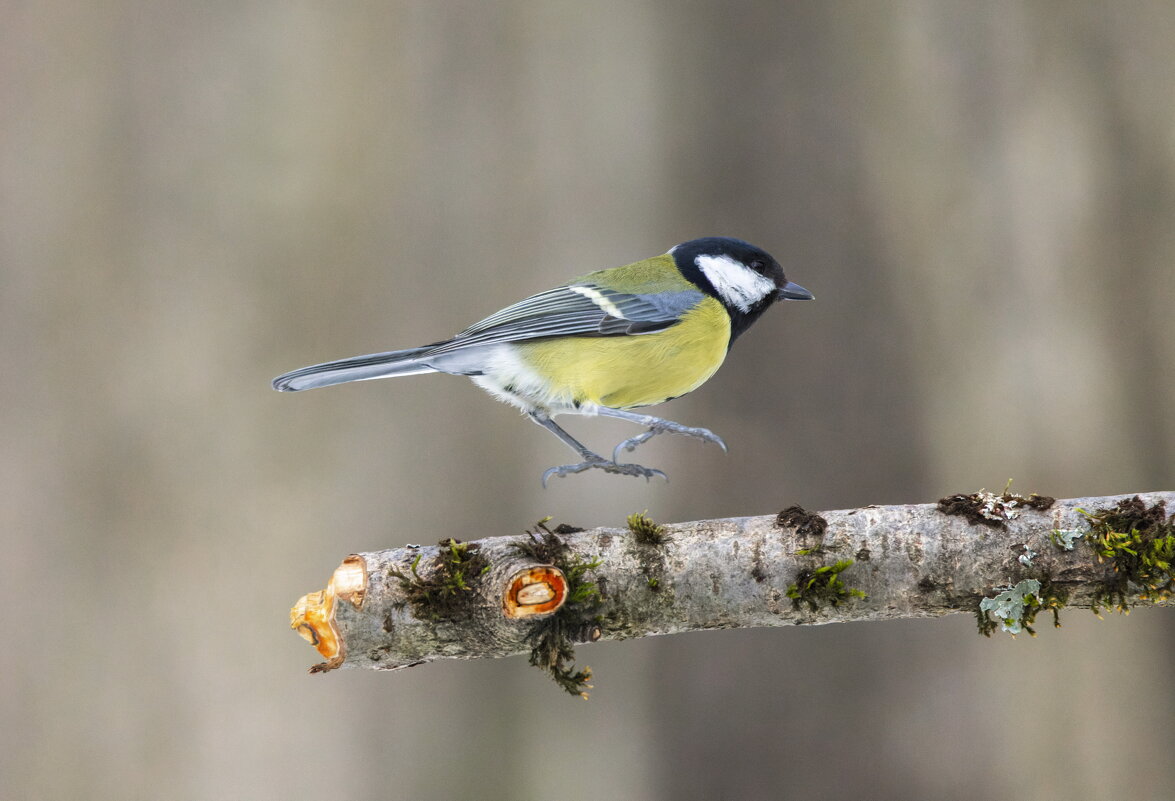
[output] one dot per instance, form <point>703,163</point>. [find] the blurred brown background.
<point>195,197</point>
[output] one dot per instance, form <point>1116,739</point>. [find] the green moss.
<point>648,538</point>
<point>645,531</point>
<point>822,586</point>
<point>580,591</point>
<point>1137,541</point>
<point>1139,544</point>
<point>446,592</point>
<point>553,639</point>
<point>542,544</point>
<point>1049,598</point>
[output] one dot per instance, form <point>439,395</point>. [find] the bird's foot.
<point>600,463</point>
<point>666,427</point>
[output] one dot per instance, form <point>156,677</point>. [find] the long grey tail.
<point>357,368</point>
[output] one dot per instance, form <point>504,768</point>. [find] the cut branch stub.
<point>534,592</point>
<point>424,601</point>
<point>313,616</point>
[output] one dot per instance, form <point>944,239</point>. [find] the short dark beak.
<point>794,292</point>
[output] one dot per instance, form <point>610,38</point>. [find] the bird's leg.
<point>656,426</point>
<point>590,459</point>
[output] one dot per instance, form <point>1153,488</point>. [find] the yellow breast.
<point>623,372</point>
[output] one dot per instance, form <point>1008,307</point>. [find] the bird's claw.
<point>615,467</point>
<point>631,443</point>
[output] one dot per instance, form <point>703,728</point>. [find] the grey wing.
<point>579,309</point>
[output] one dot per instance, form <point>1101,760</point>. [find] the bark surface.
<point>410,605</point>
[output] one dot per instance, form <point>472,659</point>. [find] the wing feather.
<point>579,309</point>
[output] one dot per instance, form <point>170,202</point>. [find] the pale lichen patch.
<point>1009,606</point>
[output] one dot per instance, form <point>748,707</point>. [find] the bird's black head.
<point>744,278</point>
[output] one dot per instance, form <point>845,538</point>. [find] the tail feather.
<point>357,368</point>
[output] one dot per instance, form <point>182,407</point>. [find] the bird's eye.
<point>756,265</point>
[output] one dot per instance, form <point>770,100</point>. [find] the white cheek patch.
<point>739,285</point>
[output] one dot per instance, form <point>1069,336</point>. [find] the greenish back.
<point>645,277</point>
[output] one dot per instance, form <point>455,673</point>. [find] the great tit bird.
<point>602,344</point>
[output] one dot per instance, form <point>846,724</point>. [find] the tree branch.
<point>1001,557</point>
